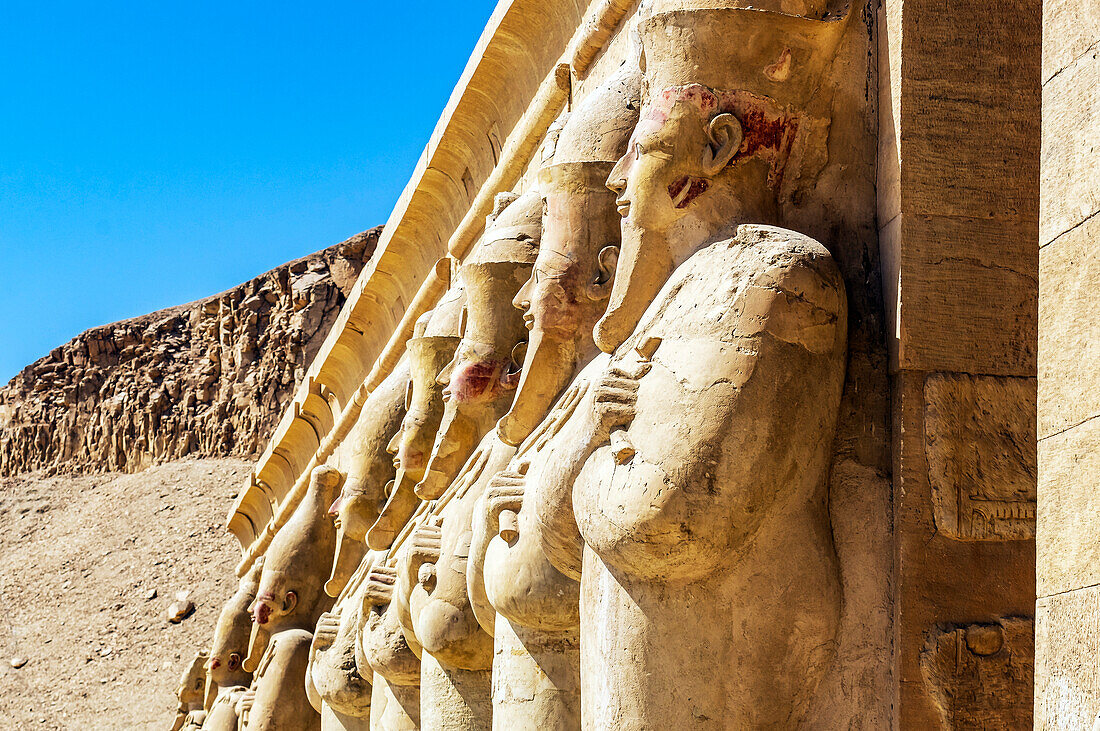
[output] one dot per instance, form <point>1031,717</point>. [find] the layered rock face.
<point>209,378</point>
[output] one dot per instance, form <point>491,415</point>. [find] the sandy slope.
<point>77,557</point>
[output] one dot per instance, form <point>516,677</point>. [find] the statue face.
<point>268,607</point>
<point>223,665</point>
<point>352,513</point>
<point>412,445</point>
<point>231,635</point>
<point>568,288</point>
<point>479,382</point>
<point>662,171</point>
<point>192,685</point>
<point>680,143</point>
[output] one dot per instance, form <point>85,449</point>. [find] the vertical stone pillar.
<point>1067,612</point>
<point>958,181</point>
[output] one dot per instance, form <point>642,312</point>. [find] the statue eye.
<point>637,151</point>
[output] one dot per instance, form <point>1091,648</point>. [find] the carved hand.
<point>424,549</point>
<point>328,626</point>
<point>244,705</point>
<point>380,583</point>
<point>503,499</point>
<point>615,396</point>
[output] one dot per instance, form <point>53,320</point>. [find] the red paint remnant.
<point>215,663</point>
<point>474,379</point>
<point>695,187</point>
<point>262,613</point>
<point>413,460</point>
<point>768,129</point>
<point>764,132</point>
<point>676,186</point>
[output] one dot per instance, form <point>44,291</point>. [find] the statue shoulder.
<point>287,644</point>
<point>778,281</point>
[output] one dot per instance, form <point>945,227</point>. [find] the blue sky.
<point>153,153</point>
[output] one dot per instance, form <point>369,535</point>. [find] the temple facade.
<point>723,365</point>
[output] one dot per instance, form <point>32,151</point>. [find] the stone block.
<point>942,582</point>
<point>979,437</point>
<point>1071,147</point>
<point>1069,503</point>
<point>1067,675</point>
<point>1069,332</point>
<point>968,290</point>
<point>970,108</point>
<point>889,94</point>
<point>1070,28</point>
<point>889,238</point>
<point>980,676</point>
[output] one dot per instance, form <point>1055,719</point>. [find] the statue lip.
<point>622,205</point>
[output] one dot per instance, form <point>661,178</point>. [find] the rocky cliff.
<point>209,378</point>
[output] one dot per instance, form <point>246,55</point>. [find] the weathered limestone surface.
<point>944,581</point>
<point>1067,685</point>
<point>980,675</point>
<point>1067,679</point>
<point>1071,136</point>
<point>960,91</point>
<point>210,378</point>
<point>958,185</point>
<point>1070,266</point>
<point>1069,554</point>
<point>979,436</point>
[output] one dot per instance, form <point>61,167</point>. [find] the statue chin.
<point>546,370</point>
<point>349,553</point>
<point>257,646</point>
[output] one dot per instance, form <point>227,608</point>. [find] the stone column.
<point>1067,612</point>
<point>958,215</point>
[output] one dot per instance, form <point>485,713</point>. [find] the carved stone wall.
<point>820,310</point>
<point>210,378</point>
<point>979,676</point>
<point>979,437</point>
<point>958,187</point>
<point>1067,614</point>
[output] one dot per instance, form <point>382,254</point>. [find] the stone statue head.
<point>723,124</point>
<point>481,379</point>
<point>289,595</point>
<point>572,277</point>
<point>225,666</point>
<point>432,347</point>
<point>191,689</point>
<point>369,471</point>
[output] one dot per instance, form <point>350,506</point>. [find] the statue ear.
<point>606,261</point>
<point>234,660</point>
<point>289,602</point>
<point>725,136</point>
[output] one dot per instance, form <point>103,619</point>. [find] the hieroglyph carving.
<point>979,675</point>
<point>979,438</point>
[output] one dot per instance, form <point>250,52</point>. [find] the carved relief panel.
<point>979,438</point>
